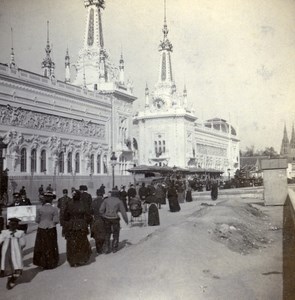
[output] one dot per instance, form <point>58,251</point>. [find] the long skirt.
<point>78,247</point>
<point>153,215</point>
<point>46,248</point>
<point>214,192</point>
<point>173,204</point>
<point>181,196</point>
<point>189,196</point>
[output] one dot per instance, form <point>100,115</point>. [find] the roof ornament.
<point>12,61</point>
<point>165,44</point>
<point>48,65</point>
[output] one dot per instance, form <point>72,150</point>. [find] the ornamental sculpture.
<point>23,118</point>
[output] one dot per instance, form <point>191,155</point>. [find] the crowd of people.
<point>80,215</point>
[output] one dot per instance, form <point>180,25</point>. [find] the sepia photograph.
<point>147,149</point>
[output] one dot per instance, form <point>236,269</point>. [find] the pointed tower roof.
<point>165,48</point>
<point>292,141</point>
<point>285,147</point>
<point>47,64</point>
<point>12,60</point>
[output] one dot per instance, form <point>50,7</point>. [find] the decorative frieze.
<point>17,116</point>
<point>211,150</point>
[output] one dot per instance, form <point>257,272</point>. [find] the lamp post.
<point>3,179</point>
<point>113,163</point>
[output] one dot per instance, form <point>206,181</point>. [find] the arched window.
<point>43,161</point>
<point>77,163</point>
<point>92,163</point>
<point>98,164</point>
<point>33,160</point>
<point>70,166</point>
<point>23,160</point>
<point>61,162</point>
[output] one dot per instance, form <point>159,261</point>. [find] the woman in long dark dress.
<point>173,198</point>
<point>46,249</point>
<point>214,190</point>
<point>77,218</point>
<point>188,196</point>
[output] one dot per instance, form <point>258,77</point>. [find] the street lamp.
<point>113,163</point>
<point>3,177</point>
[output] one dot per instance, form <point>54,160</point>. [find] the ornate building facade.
<point>65,132</point>
<point>169,133</point>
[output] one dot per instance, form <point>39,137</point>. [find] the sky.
<point>236,57</point>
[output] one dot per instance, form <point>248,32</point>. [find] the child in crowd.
<point>12,259</point>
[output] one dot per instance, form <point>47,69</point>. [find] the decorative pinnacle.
<point>12,62</point>
<point>165,44</point>
<point>98,3</point>
<point>146,89</point>
<point>184,91</point>
<point>165,28</point>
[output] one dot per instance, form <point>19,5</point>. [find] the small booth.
<point>275,181</point>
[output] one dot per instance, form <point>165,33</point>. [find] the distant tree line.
<point>251,151</point>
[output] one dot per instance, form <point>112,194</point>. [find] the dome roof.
<point>220,124</point>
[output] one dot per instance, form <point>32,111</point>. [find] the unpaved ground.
<point>227,249</point>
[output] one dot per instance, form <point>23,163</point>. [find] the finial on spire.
<point>67,66</point>
<point>165,28</point>
<point>146,89</point>
<point>121,68</point>
<point>147,93</point>
<point>184,91</point>
<point>84,76</point>
<point>48,65</point>
<point>165,44</point>
<point>12,61</point>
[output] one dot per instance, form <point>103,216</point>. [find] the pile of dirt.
<point>245,230</point>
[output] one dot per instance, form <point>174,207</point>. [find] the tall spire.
<point>121,68</point>
<point>285,147</point>
<point>93,59</point>
<point>184,97</point>
<point>12,61</point>
<point>48,65</point>
<point>165,47</point>
<point>67,67</point>
<point>147,93</point>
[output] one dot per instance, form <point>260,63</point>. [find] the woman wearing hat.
<point>46,248</point>
<point>76,219</point>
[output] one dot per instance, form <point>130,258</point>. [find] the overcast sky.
<point>236,57</point>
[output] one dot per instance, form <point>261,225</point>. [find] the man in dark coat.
<point>97,226</point>
<point>102,189</point>
<point>123,196</point>
<point>143,192</point>
<point>131,193</point>
<point>110,209</point>
<point>22,191</point>
<point>61,204</point>
<point>85,197</point>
